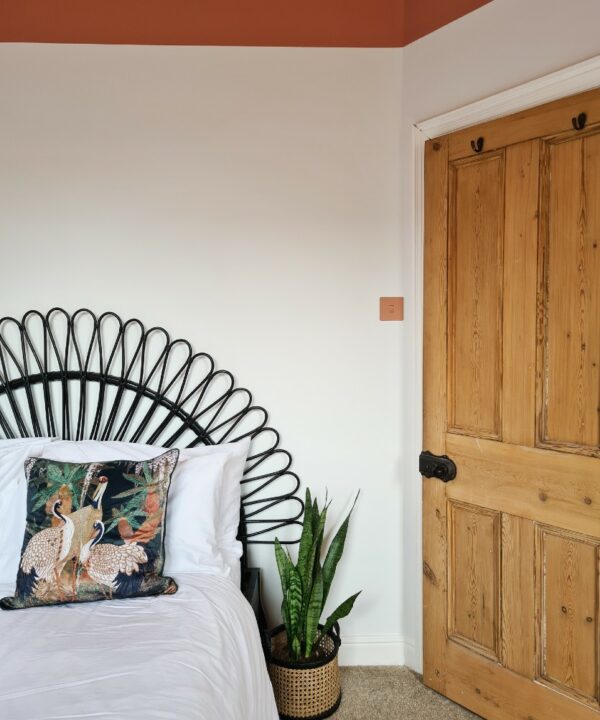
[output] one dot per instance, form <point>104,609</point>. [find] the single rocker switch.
<point>391,308</point>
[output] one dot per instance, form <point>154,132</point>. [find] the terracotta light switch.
<point>391,308</point>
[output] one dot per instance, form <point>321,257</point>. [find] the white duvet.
<point>194,655</point>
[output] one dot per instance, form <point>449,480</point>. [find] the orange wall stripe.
<point>334,23</point>
<point>424,16</point>
<point>304,23</point>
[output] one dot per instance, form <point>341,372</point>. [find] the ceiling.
<point>304,23</point>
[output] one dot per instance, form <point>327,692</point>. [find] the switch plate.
<point>391,308</point>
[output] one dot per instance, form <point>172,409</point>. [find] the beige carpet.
<point>392,693</point>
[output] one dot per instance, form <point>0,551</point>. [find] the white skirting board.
<point>376,650</point>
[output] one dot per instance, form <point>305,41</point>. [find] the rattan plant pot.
<point>305,690</point>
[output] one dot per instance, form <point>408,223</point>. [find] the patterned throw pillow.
<point>94,531</point>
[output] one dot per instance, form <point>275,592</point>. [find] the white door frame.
<point>569,81</point>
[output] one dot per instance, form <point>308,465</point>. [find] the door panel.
<point>571,292</point>
<point>512,394</point>
<point>474,611</point>
<point>568,571</point>
<point>475,294</point>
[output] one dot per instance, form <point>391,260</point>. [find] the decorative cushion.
<point>94,531</point>
<point>204,499</point>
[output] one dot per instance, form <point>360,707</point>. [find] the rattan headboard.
<point>85,376</point>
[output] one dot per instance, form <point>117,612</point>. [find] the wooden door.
<point>512,395</point>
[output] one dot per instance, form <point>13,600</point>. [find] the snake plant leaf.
<point>283,564</point>
<point>294,608</point>
<point>315,515</point>
<point>335,552</point>
<point>318,536</point>
<point>306,541</point>
<point>285,615</point>
<point>294,599</point>
<point>315,554</point>
<point>313,613</point>
<point>340,612</point>
<point>296,647</point>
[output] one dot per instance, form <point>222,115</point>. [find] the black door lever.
<point>437,466</point>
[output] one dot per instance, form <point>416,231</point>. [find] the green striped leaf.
<point>315,553</point>
<point>294,603</point>
<point>285,616</point>
<point>283,564</point>
<point>315,515</point>
<point>335,552</point>
<point>313,613</point>
<point>340,612</point>
<point>294,600</point>
<point>306,540</point>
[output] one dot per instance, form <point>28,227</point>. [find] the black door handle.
<point>437,466</point>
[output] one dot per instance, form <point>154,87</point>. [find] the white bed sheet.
<point>195,655</point>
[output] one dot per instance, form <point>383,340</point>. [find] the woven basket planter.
<point>305,690</point>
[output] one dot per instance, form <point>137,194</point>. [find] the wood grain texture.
<point>541,485</point>
<point>522,225</point>
<point>549,119</point>
<point>475,252</point>
<point>568,599</point>
<point>518,595</point>
<point>519,313</point>
<point>496,693</point>
<point>570,411</point>
<point>474,578</point>
<point>434,414</point>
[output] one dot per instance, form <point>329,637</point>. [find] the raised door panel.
<point>568,611</point>
<point>475,253</point>
<point>569,389</point>
<point>473,618</point>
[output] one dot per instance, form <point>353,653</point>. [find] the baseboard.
<point>377,650</point>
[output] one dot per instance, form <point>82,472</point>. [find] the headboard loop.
<point>80,376</point>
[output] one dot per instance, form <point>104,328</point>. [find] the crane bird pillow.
<point>94,531</point>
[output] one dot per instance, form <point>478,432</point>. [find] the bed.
<point>194,654</point>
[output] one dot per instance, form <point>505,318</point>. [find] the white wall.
<point>499,46</point>
<point>259,201</point>
<point>247,199</point>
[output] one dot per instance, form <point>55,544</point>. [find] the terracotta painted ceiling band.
<point>303,23</point>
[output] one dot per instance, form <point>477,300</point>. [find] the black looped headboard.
<point>81,376</point>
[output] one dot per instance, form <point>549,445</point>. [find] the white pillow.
<point>13,500</point>
<point>203,510</point>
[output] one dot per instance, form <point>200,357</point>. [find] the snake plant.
<point>306,584</point>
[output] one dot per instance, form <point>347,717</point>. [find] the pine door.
<point>512,396</point>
